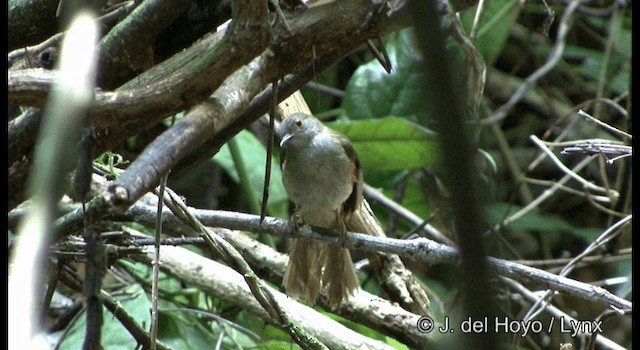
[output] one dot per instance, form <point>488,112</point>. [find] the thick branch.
<point>128,46</point>
<point>204,121</point>
<point>223,282</point>
<point>326,30</point>
<point>31,21</point>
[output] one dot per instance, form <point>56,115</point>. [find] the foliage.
<point>400,155</point>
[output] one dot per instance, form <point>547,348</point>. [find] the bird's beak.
<point>284,140</point>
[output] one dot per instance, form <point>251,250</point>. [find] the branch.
<point>195,73</point>
<point>554,57</point>
<point>128,47</point>
<point>115,307</point>
<point>223,282</point>
<point>557,313</point>
<point>419,249</point>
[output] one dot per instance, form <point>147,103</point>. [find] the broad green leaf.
<point>390,143</point>
<point>114,335</point>
<point>534,221</point>
<point>190,331</point>
<point>181,331</point>
<point>372,92</point>
<point>493,31</point>
<point>253,153</point>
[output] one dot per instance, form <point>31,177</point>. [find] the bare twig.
<point>603,125</point>
<point>419,249</point>
<point>554,57</point>
<point>566,170</point>
<point>431,232</point>
<point>603,238</point>
<point>560,315</point>
<point>155,288</point>
<point>476,21</point>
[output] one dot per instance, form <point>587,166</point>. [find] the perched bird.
<point>322,176</point>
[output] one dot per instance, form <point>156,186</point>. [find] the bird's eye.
<point>299,123</point>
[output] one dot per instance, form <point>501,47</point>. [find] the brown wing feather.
<point>355,199</point>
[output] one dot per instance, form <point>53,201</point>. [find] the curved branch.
<point>128,46</point>
<point>194,74</point>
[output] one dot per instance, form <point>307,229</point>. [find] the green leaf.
<point>390,143</point>
<point>182,331</point>
<point>496,21</point>
<point>535,221</point>
<point>372,92</point>
<point>253,153</point>
<point>114,335</point>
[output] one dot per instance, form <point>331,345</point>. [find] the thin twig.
<point>419,249</point>
<point>622,254</point>
<point>235,260</point>
<point>560,315</point>
<point>541,198</point>
<point>554,57</point>
<point>603,125</point>
<point>431,232</point>
<point>476,21</point>
<point>550,183</point>
<point>155,288</point>
<point>606,236</point>
<point>566,170</point>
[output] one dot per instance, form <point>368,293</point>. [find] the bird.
<point>322,176</point>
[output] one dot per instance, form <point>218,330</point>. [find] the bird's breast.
<point>318,179</point>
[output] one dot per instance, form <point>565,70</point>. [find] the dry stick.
<point>593,339</point>
<point>235,260</point>
<point>541,198</point>
<point>419,249</point>
<point>270,137</point>
<point>604,125</point>
<point>69,278</point>
<point>476,21</point>
<point>554,57</point>
<point>431,232</point>
<point>155,289</point>
<point>622,254</point>
<point>549,183</point>
<point>605,237</point>
<point>557,313</point>
<point>566,170</point>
